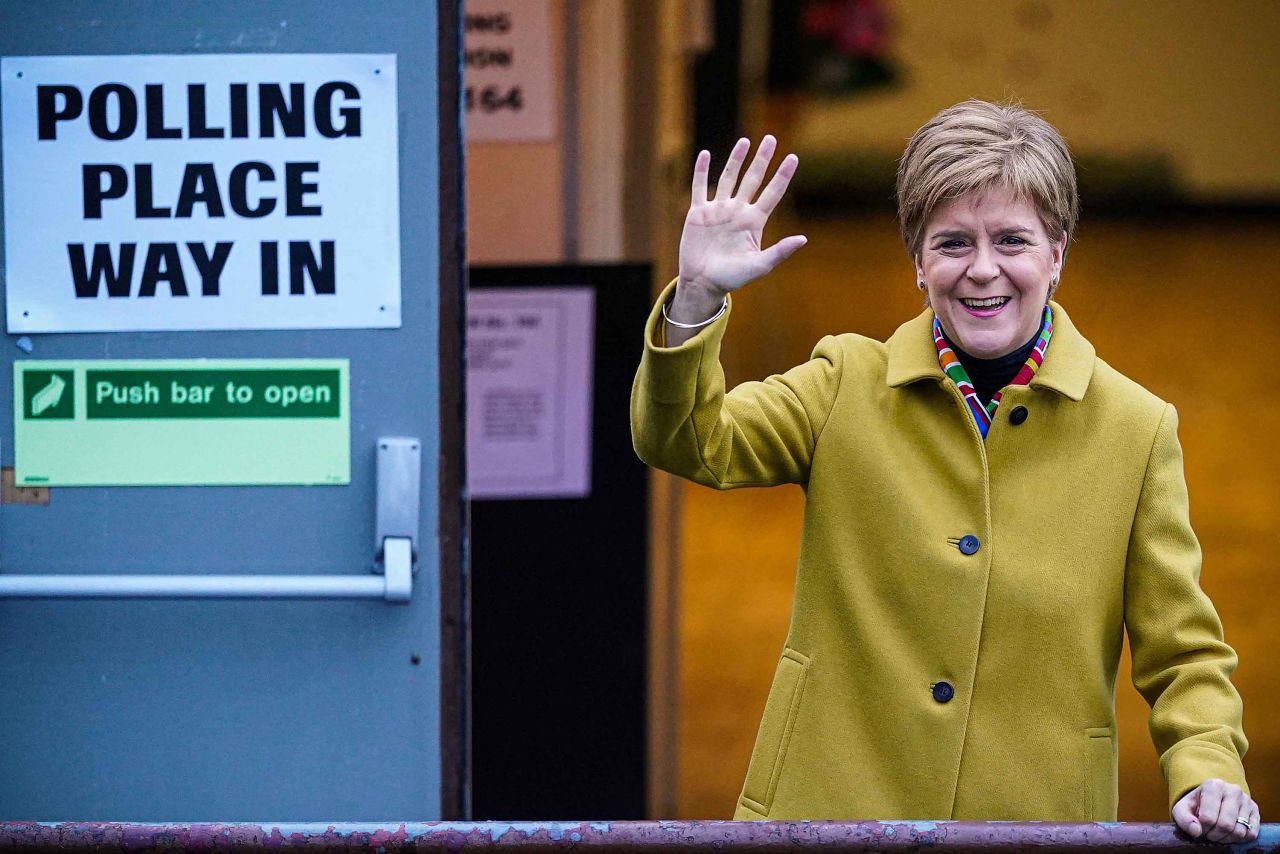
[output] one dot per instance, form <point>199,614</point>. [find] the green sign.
<point>213,393</point>
<point>182,422</point>
<point>49,394</point>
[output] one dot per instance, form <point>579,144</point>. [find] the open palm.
<point>720,246</point>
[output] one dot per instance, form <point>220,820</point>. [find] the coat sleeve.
<point>758,434</point>
<point>1181,664</point>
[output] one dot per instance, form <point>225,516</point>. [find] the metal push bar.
<point>394,585</point>
<point>399,475</point>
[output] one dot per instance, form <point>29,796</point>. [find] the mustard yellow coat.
<point>1081,519</point>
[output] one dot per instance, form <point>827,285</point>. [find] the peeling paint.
<point>704,836</point>
<point>256,38</point>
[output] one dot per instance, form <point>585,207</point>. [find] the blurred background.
<point>1172,109</point>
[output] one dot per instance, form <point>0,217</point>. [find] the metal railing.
<point>722,837</point>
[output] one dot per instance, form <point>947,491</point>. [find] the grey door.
<point>248,709</point>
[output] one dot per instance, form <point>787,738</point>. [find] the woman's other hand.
<point>1211,810</point>
<point>720,246</point>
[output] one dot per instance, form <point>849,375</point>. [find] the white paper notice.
<point>507,77</point>
<point>529,359</point>
<point>254,191</point>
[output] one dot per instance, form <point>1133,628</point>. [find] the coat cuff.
<point>1190,765</point>
<point>671,370</point>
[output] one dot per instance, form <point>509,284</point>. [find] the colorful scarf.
<point>951,366</point>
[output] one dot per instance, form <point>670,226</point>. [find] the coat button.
<point>943,692</point>
<point>1018,415</point>
<point>969,544</point>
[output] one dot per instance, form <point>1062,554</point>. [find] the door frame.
<point>455,591</point>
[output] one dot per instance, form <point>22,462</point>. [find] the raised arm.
<point>682,419</point>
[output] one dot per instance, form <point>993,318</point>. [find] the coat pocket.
<point>776,726</point>
<point>1103,782</point>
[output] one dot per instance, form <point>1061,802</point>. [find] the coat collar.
<point>1068,363</point>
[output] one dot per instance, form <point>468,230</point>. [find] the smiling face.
<point>987,264</point>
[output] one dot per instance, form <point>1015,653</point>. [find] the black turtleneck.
<point>990,375</point>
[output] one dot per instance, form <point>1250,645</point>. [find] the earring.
<point>920,284</point>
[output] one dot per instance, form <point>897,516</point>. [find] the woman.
<point>988,507</point>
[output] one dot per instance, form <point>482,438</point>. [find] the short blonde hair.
<point>976,145</point>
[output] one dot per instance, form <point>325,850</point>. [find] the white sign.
<point>529,358</point>
<point>247,191</point>
<point>507,53</point>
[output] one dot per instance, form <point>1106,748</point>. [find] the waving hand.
<point>720,246</point>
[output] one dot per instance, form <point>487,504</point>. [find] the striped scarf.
<point>951,366</point>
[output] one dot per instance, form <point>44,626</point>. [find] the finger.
<point>1240,832</point>
<point>1210,806</point>
<point>1212,803</point>
<point>759,165</point>
<point>701,166</point>
<point>1232,806</point>
<point>729,177</point>
<point>777,185</point>
<point>782,250</point>
<point>1255,820</point>
<point>1184,816</point>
